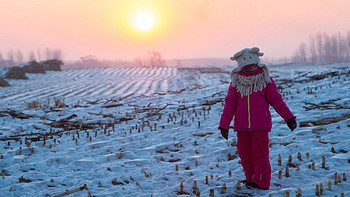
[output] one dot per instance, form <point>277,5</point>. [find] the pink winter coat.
<point>251,113</point>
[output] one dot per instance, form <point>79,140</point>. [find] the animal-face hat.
<point>248,84</point>
<point>247,56</point>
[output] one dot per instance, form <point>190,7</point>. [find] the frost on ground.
<point>147,131</point>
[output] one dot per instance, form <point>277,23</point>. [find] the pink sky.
<point>184,28</point>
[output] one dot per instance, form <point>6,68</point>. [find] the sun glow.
<point>140,22</point>
<point>143,21</point>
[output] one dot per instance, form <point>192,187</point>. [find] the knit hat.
<point>247,57</point>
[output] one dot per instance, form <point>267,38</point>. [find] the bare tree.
<point>48,53</point>
<point>38,54</point>
<point>300,55</point>
<point>324,48</point>
<point>141,62</point>
<point>302,52</point>
<point>319,46</point>
<point>10,55</point>
<point>57,54</point>
<point>334,49</point>
<point>313,52</point>
<point>347,44</point>
<point>31,55</point>
<point>155,59</point>
<point>19,57</point>
<point>53,53</point>
<point>348,47</point>
<point>341,47</point>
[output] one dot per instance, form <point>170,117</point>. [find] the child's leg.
<point>244,148</point>
<point>260,154</point>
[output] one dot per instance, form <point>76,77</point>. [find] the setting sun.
<point>139,23</point>
<point>143,21</point>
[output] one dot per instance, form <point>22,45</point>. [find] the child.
<point>249,95</point>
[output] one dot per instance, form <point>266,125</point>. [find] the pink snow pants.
<point>253,149</point>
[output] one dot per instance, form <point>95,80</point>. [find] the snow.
<point>173,115</point>
<point>24,64</point>
<point>3,72</point>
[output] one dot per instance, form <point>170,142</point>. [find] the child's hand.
<point>292,124</point>
<point>224,133</point>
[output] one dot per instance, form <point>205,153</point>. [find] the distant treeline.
<point>324,48</point>
<point>16,57</point>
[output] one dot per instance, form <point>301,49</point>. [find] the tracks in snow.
<point>92,83</point>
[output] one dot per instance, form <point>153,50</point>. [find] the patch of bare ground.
<point>327,105</point>
<point>304,78</point>
<point>204,69</point>
<point>17,114</point>
<point>203,134</point>
<point>67,124</point>
<point>3,83</point>
<point>325,121</point>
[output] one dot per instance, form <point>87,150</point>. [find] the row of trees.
<point>324,48</point>
<point>153,59</point>
<point>15,57</point>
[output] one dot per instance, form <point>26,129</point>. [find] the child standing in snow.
<point>249,96</point>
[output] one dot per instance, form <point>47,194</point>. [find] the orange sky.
<point>183,28</point>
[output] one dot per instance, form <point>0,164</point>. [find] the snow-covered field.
<point>144,131</point>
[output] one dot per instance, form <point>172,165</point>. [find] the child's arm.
<point>276,101</point>
<point>229,108</point>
